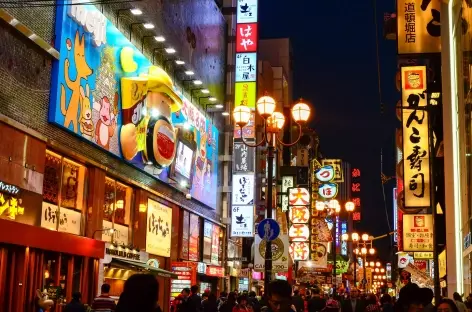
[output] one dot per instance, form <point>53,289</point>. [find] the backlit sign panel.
<point>246,11</point>
<point>246,37</point>
<point>246,64</point>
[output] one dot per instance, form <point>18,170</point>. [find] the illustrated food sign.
<point>108,93</point>
<point>416,172</point>
<point>299,217</point>
<point>419,26</point>
<point>159,227</point>
<point>417,232</point>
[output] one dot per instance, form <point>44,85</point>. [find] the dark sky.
<point>335,69</point>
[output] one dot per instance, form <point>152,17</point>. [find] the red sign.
<point>246,37</point>
<point>356,216</point>
<point>356,201</point>
<point>356,187</point>
<point>356,173</point>
<point>186,271</point>
<point>421,265</point>
<point>215,271</point>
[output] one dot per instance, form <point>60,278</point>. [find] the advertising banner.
<point>415,138</point>
<point>242,221</point>
<point>245,94</point>
<point>107,92</point>
<point>246,11</point>
<point>243,189</point>
<point>193,245</point>
<point>246,64</point>
<point>280,248</point>
<point>243,158</point>
<point>68,219</point>
<point>419,26</point>
<point>418,232</point>
<point>159,225</point>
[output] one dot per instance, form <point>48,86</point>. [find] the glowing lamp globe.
<point>355,237</point>
<point>275,122</point>
<point>320,206</point>
<point>301,112</point>
<point>333,203</point>
<point>365,237</point>
<point>372,251</point>
<point>372,263</point>
<point>345,237</point>
<point>241,115</point>
<point>350,206</point>
<point>363,250</point>
<point>378,264</point>
<point>265,106</point>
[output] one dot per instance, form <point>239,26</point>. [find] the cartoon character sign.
<point>108,93</point>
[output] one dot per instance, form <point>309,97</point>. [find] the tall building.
<point>111,129</point>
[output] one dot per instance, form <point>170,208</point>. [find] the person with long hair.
<point>140,294</point>
<point>446,305</point>
<point>229,304</point>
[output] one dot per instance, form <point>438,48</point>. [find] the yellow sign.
<point>417,232</point>
<point>423,255</point>
<point>442,264</point>
<point>419,26</point>
<point>159,229</point>
<point>245,94</point>
<point>416,172</point>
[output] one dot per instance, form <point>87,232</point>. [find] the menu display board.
<point>186,277</point>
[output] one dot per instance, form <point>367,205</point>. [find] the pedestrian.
<point>468,302</point>
<point>104,303</point>
<point>353,303</point>
<point>195,301</point>
<point>427,295</point>
<point>410,299</point>
<point>210,305</point>
<point>371,304</point>
<point>242,305</point>
<point>253,302</point>
<point>316,303</point>
<point>446,305</point>
<point>176,304</point>
<point>75,305</point>
<point>229,304</point>
<point>279,297</point>
<point>297,301</point>
<point>386,303</point>
<point>184,304</point>
<point>140,293</point>
<point>332,305</point>
<point>460,304</point>
<point>222,299</point>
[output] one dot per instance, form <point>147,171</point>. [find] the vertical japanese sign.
<point>287,182</point>
<point>416,171</point>
<point>245,92</point>
<point>419,26</point>
<point>356,193</point>
<point>299,217</point>
<point>417,232</point>
<point>395,215</point>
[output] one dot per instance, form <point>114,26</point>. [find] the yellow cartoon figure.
<point>83,70</point>
<point>147,105</point>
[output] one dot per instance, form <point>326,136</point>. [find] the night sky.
<point>335,69</point>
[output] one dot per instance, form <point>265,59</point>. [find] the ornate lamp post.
<point>273,124</point>
<point>364,247</point>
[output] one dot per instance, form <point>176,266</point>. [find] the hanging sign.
<point>246,11</point>
<point>328,190</point>
<point>245,94</point>
<point>337,166</point>
<point>159,224</point>
<point>243,189</point>
<point>246,37</point>
<point>298,197</point>
<point>245,69</point>
<point>419,26</point>
<point>418,232</point>
<point>416,156</point>
<point>280,248</point>
<point>243,158</point>
<point>325,173</point>
<point>242,221</point>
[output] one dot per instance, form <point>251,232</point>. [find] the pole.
<point>437,286</point>
<point>335,227</point>
<point>365,274</point>
<point>268,253</point>
<point>355,266</point>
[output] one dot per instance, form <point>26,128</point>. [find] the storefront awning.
<point>126,264</point>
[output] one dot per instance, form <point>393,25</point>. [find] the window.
<point>63,194</point>
<point>117,206</point>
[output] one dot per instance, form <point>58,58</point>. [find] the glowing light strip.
<point>455,154</point>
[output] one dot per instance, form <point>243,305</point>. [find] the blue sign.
<point>268,229</point>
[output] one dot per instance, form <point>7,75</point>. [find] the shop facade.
<point>76,185</point>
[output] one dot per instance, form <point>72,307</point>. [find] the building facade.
<point>108,137</point>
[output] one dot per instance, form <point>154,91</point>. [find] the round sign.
<point>268,229</point>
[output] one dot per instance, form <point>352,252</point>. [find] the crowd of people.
<point>141,293</point>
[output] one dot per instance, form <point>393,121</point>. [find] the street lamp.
<point>273,124</point>
<point>365,245</point>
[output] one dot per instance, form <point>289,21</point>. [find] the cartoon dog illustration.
<point>106,125</point>
<point>86,124</point>
<point>83,70</point>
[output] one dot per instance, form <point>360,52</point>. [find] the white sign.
<point>246,65</point>
<point>280,248</point>
<point>123,253</point>
<point>242,221</point>
<point>287,182</point>
<point>120,233</point>
<point>395,215</point>
<point>243,189</point>
<point>246,11</point>
<point>68,219</point>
